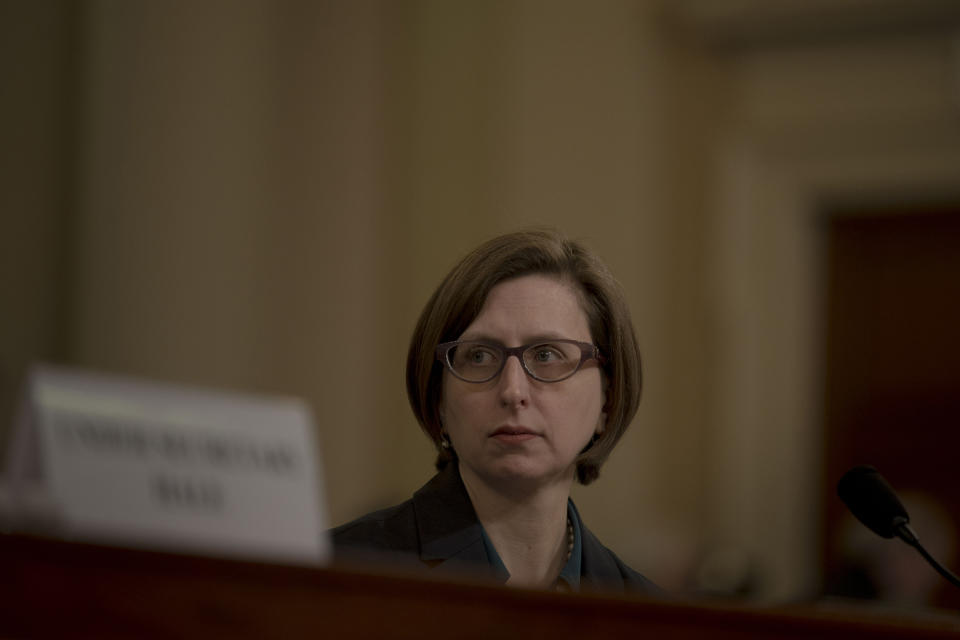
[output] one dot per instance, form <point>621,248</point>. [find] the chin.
<point>518,473</point>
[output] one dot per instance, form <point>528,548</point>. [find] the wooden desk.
<point>59,589</point>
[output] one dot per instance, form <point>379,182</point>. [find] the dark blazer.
<point>438,528</point>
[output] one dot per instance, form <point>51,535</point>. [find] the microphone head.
<point>872,500</point>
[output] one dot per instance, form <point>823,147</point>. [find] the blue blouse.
<point>569,575</point>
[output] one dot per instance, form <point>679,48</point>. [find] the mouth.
<point>513,435</point>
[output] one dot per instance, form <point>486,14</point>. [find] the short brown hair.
<point>460,297</point>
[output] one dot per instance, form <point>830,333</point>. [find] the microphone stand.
<point>907,534</point>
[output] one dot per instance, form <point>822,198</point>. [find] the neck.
<point>528,528</point>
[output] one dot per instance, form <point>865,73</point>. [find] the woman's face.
<point>514,429</point>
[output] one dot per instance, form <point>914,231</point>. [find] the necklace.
<point>561,585</point>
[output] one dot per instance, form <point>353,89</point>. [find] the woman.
<point>524,371</point>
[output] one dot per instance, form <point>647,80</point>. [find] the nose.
<point>514,384</point>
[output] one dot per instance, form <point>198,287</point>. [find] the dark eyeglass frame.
<point>587,352</point>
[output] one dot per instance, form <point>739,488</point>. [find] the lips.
<point>511,434</point>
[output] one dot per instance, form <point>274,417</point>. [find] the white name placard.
<point>136,463</point>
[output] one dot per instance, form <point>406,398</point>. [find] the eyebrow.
<point>534,339</point>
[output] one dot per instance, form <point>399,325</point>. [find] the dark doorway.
<point>892,385</point>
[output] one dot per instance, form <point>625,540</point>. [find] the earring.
<point>444,441</point>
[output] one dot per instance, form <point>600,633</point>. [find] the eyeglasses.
<point>550,361</point>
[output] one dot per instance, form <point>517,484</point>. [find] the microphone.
<point>872,500</point>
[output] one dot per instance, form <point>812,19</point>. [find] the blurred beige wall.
<point>262,195</point>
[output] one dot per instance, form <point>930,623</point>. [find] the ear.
<point>601,423</point>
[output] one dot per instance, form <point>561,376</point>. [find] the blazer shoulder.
<point>634,581</point>
<point>393,529</point>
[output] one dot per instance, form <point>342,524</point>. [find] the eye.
<point>543,353</point>
<point>479,355</point>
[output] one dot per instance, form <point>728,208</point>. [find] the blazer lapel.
<point>599,570</point>
<point>450,533</point>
